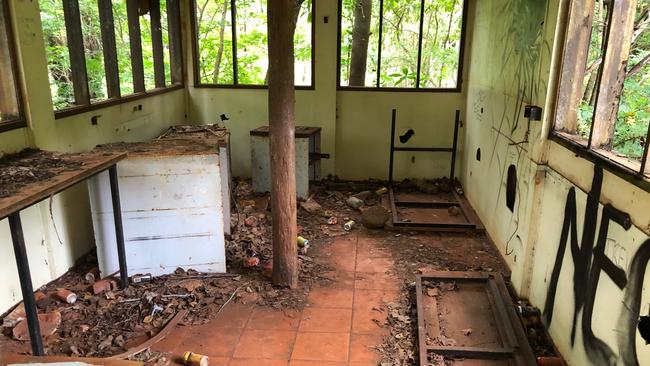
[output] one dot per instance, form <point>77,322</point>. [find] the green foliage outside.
<point>441,40</point>
<point>215,42</point>
<point>60,73</point>
<point>634,107</point>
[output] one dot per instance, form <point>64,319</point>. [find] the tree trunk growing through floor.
<point>282,130</point>
<point>360,38</point>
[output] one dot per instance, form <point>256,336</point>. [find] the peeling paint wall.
<point>577,239</point>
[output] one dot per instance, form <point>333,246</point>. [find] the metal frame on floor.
<point>22,262</point>
<point>514,341</point>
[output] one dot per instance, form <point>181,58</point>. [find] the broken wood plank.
<point>155,339</point>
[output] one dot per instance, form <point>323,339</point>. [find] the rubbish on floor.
<point>302,242</point>
<point>355,202</point>
<point>18,313</point>
<point>375,217</point>
<point>349,225</point>
<point>92,275</point>
<point>381,191</point>
<point>311,206</point>
<point>140,278</point>
<point>65,295</point>
<point>251,262</point>
<point>155,339</point>
<point>332,220</point>
<point>48,324</point>
<point>104,285</point>
<point>195,359</point>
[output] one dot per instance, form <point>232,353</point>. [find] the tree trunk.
<point>283,153</point>
<point>294,22</point>
<point>222,28</point>
<point>360,38</point>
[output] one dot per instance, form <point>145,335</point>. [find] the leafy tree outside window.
<point>401,43</point>
<point>607,111</point>
<point>232,42</point>
<point>66,80</point>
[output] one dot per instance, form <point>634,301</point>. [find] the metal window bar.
<point>157,43</point>
<point>76,50</point>
<point>419,67</point>
<point>109,48</point>
<point>175,47</point>
<point>235,67</point>
<point>135,43</point>
<point>381,40</point>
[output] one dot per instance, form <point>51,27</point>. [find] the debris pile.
<point>400,345</point>
<point>31,166</point>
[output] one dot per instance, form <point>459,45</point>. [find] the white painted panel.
<point>172,213</point>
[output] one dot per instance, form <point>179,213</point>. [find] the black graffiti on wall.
<point>590,261</point>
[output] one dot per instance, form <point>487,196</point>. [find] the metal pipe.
<point>22,263</point>
<point>119,230</point>
<point>392,148</point>
<point>381,37</point>
<point>455,146</point>
<point>419,67</point>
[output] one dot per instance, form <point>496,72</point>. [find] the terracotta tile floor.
<point>341,326</point>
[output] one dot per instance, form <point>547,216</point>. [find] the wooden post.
<point>574,65</point>
<point>614,72</point>
<point>283,153</point>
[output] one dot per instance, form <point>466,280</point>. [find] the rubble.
<point>375,217</point>
<point>48,324</point>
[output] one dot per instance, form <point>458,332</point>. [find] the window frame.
<point>417,88</point>
<point>639,177</point>
<point>233,9</point>
<point>19,122</point>
<point>114,97</point>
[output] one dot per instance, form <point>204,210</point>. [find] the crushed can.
<point>141,278</point>
<point>349,225</point>
<point>195,359</point>
<point>381,191</point>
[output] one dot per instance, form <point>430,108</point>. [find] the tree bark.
<point>360,38</point>
<point>222,28</point>
<point>283,153</point>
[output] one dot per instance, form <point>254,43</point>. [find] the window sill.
<point>398,90</point>
<point>71,111</point>
<point>622,167</point>
<point>12,125</point>
<point>260,87</point>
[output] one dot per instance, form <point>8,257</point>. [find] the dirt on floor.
<point>32,166</point>
<point>113,321</point>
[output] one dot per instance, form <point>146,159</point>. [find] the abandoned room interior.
<point>325,182</point>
